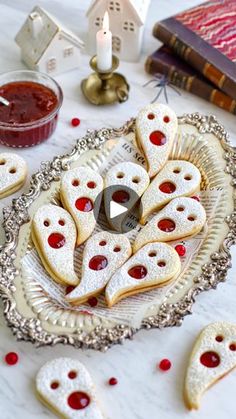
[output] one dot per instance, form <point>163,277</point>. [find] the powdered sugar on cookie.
<point>13,172</point>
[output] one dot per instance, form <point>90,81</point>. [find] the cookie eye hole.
<point>188,177</point>
<point>61,222</point>
<point>2,162</point>
<point>120,175</point>
<point>166,119</point>
<point>192,218</point>
<point>232,347</point>
<point>117,249</point>
<point>103,243</point>
<point>161,263</point>
<point>136,179</point>
<point>180,209</point>
<point>151,116</point>
<point>72,375</point>
<point>75,182</point>
<point>177,170</point>
<point>152,254</point>
<point>91,185</point>
<point>54,385</point>
<point>46,223</point>
<point>12,170</point>
<point>219,338</point>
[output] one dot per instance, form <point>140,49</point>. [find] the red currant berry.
<point>113,381</point>
<point>196,198</point>
<point>165,365</point>
<point>75,122</point>
<point>92,301</point>
<point>180,249</point>
<point>11,358</point>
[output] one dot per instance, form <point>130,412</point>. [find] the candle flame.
<point>105,24</point>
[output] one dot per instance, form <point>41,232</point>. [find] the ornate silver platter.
<point>31,313</point>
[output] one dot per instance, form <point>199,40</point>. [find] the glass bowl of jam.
<point>34,100</point>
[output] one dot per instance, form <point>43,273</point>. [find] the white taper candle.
<point>104,46</point>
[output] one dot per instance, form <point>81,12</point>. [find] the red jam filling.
<point>91,185</point>
<point>210,359</point>
<point>120,197</point>
<point>69,289</point>
<point>56,240</point>
<point>78,400</point>
<point>98,263</point>
<point>72,375</point>
<point>157,138</point>
<point>54,385</point>
<point>167,187</point>
<point>166,225</point>
<point>84,204</point>
<point>166,119</point>
<point>29,101</point>
<point>138,272</point>
<point>92,301</point>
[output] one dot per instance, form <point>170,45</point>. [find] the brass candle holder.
<point>105,87</point>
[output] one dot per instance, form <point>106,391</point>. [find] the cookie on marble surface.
<point>177,178</point>
<point>124,184</point>
<point>13,172</point>
<point>156,128</point>
<point>155,265</point>
<point>65,386</point>
<point>181,218</point>
<point>104,253</point>
<point>80,188</point>
<point>53,233</point>
<point>213,356</point>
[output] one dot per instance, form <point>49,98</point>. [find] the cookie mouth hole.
<point>232,347</point>
<point>121,197</point>
<point>84,204</point>
<point>167,225</point>
<point>78,400</point>
<point>72,375</point>
<point>188,177</point>
<point>75,182</point>
<point>120,175</point>
<point>219,338</point>
<point>12,170</point>
<point>158,138</point>
<point>152,254</point>
<point>103,243</point>
<point>151,116</point>
<point>167,187</point>
<point>192,217</point>
<point>61,222</point>
<point>161,263</point>
<point>2,162</point>
<point>98,263</point>
<point>166,119</point>
<point>56,240</point>
<point>136,179</point>
<point>210,359</point>
<point>91,185</point>
<point>117,249</point>
<point>54,385</point>
<point>177,170</point>
<point>46,223</point>
<point>137,272</point>
<point>180,209</point>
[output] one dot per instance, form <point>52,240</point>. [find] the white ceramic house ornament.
<point>46,45</point>
<point>127,19</point>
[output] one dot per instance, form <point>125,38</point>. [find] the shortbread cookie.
<point>54,236</point>
<point>124,185</point>
<point>13,172</point>
<point>213,356</point>
<point>177,178</point>
<point>155,265</point>
<point>181,218</point>
<point>80,188</point>
<point>65,386</point>
<point>104,253</point>
<point>156,128</point>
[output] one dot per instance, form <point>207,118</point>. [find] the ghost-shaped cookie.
<point>53,232</point>
<point>213,356</point>
<point>181,218</point>
<point>81,195</point>
<point>177,178</point>
<point>155,265</point>
<point>65,386</point>
<point>104,253</point>
<point>124,185</point>
<point>13,172</point>
<point>156,128</point>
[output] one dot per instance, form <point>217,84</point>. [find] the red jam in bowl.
<point>31,116</point>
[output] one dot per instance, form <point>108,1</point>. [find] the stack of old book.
<point>199,52</point>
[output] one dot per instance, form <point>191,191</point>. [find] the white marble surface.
<point>143,392</point>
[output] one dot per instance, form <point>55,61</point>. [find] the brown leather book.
<point>205,37</point>
<point>182,75</point>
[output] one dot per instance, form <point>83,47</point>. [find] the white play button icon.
<point>116,209</point>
